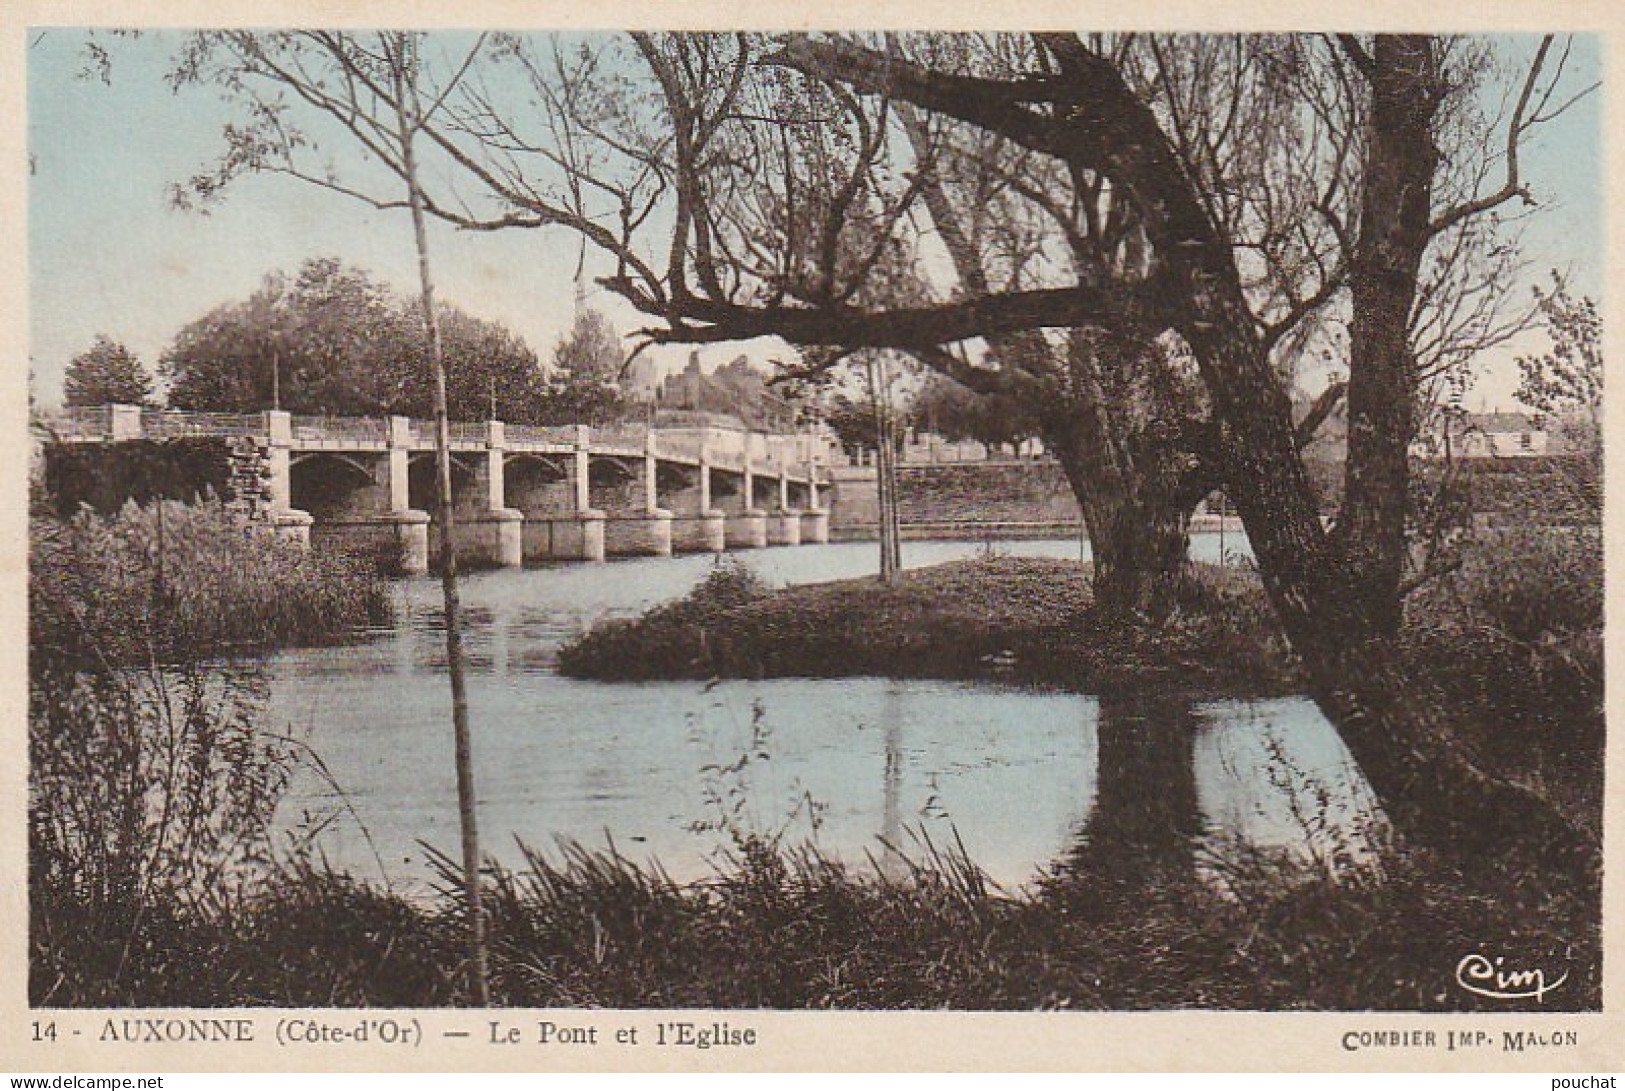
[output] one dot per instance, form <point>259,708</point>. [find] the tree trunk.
<point>1136,488</point>
<point>1139,531</point>
<point>891,553</point>
<point>1396,207</point>
<point>406,90</point>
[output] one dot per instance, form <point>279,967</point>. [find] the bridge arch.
<point>540,484</point>
<point>420,483</point>
<point>331,484</point>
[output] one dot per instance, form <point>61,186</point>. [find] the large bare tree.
<point>682,158</point>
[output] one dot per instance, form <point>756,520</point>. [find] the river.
<point>863,768</point>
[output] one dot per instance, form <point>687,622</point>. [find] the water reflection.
<point>1146,821</point>
<point>1217,789</point>
<point>1276,782</point>
<point>863,768</point>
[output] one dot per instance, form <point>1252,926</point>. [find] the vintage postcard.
<point>1058,537</point>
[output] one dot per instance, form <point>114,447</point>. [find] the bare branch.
<point>1513,187</point>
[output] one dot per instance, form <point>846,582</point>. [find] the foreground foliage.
<point>175,582</point>
<point>792,929</point>
<point>152,781</point>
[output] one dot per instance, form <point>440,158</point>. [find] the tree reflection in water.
<point>1145,823</point>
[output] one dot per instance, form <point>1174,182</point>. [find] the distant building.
<point>641,382</point>
<point>736,389</point>
<point>1485,435</point>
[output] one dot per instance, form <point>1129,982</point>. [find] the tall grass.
<point>185,581</point>
<point>151,783</point>
<point>796,929</point>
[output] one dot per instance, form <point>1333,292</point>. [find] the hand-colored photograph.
<point>838,520</point>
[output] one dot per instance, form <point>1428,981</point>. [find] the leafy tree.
<point>1567,378</point>
<point>584,382</point>
<point>955,412</point>
<point>335,340</point>
<point>106,373</point>
<point>1565,383</point>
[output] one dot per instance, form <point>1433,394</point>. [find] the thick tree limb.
<point>1319,411</point>
<point>707,321</point>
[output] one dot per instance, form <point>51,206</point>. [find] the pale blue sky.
<point>109,255</point>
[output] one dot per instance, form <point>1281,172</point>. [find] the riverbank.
<point>788,929</point>
<point>1023,619</point>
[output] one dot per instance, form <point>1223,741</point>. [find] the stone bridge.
<point>519,492</point>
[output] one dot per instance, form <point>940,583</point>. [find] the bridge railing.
<point>678,445</point>
<point>362,429</point>
<point>80,422</point>
<point>169,424</point>
<point>727,448</point>
<point>564,434</point>
<point>631,437</point>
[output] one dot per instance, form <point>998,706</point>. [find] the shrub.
<point>1515,638</point>
<point>673,640</point>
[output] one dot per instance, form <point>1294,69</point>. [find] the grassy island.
<point>1027,619</point>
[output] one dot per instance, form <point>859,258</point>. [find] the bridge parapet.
<point>367,430</point>
<point>622,437</point>
<point>81,423</point>
<point>680,445</point>
<point>559,435</point>
<point>166,424</point>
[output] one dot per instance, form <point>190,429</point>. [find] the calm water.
<point>1025,778</point>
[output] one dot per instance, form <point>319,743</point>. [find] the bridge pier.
<point>814,519</point>
<point>486,532</point>
<point>747,528</point>
<point>697,527</point>
<point>499,537</point>
<point>290,523</point>
<point>814,527</point>
<point>411,535</point>
<point>577,537</point>
<point>784,524</point>
<point>553,491</point>
<point>410,525</point>
<point>639,526</point>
